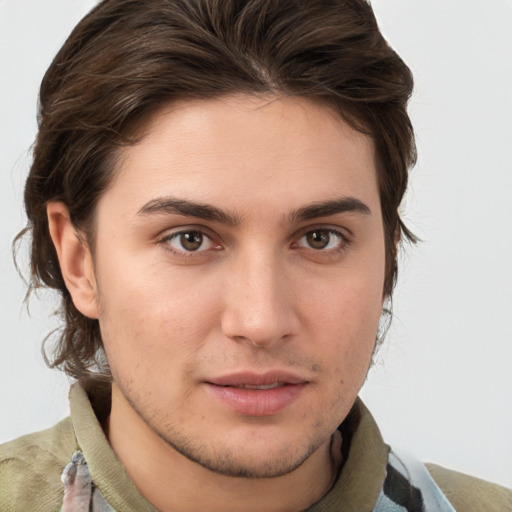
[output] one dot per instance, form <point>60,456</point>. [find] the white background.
<point>442,385</point>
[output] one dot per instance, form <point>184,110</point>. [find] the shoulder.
<point>469,494</point>
<point>30,468</point>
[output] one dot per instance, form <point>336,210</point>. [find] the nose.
<point>259,304</point>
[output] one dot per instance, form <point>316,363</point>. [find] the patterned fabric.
<point>408,487</point>
<point>80,493</point>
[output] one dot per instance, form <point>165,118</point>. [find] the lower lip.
<point>256,402</point>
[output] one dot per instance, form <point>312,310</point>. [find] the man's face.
<point>239,268</point>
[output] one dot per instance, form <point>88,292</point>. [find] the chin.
<point>242,462</point>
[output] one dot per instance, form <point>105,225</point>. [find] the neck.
<point>151,464</point>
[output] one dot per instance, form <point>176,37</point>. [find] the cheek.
<point>150,316</point>
<point>349,302</point>
<point>346,314</point>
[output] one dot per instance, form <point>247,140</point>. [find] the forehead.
<point>247,151</point>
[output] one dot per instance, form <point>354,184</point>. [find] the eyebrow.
<point>174,206</point>
<point>171,205</point>
<point>331,207</point>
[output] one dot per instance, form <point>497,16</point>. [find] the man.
<point>214,193</point>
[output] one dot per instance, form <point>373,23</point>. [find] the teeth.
<point>264,386</point>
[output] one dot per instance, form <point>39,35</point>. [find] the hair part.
<point>128,58</point>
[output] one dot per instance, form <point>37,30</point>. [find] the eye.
<point>189,241</point>
<point>322,239</point>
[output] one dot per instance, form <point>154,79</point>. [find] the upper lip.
<point>258,379</point>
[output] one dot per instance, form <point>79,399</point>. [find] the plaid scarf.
<point>408,487</point>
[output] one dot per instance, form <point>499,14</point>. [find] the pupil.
<point>191,240</point>
<point>318,239</point>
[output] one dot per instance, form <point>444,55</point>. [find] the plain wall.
<point>442,384</point>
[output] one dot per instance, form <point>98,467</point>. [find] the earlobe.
<point>75,260</point>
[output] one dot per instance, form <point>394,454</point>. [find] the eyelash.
<point>344,242</point>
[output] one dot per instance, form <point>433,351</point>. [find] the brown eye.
<point>318,239</point>
<point>322,239</point>
<point>189,241</point>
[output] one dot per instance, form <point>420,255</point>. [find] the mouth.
<point>255,394</point>
<point>251,380</point>
<point>261,387</point>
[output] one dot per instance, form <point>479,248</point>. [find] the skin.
<point>254,296</point>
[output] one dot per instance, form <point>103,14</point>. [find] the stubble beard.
<point>231,462</point>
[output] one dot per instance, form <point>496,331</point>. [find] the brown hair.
<point>127,58</point>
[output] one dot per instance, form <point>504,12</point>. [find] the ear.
<point>75,260</point>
